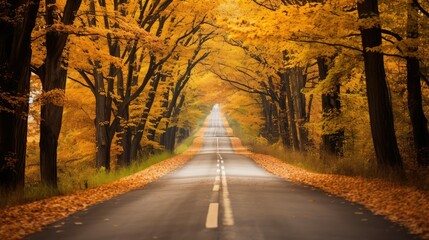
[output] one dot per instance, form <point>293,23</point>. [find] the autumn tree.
<point>380,108</point>
<point>17,20</point>
<point>332,142</point>
<point>136,62</point>
<point>415,108</point>
<point>53,75</point>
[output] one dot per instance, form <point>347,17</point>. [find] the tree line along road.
<point>221,195</point>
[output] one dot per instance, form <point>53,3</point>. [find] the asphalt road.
<point>222,195</point>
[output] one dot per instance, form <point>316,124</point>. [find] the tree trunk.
<point>415,106</point>
<point>54,77</point>
<point>124,136</point>
<point>15,56</point>
<point>291,109</point>
<point>299,83</point>
<point>332,141</point>
<point>169,138</point>
<point>102,120</point>
<point>51,119</point>
<point>269,130</point>
<point>379,103</point>
<point>285,134</point>
<point>135,144</point>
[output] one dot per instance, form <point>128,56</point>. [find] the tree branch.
<point>326,43</point>
<point>77,81</point>
<point>393,34</point>
<point>420,7</point>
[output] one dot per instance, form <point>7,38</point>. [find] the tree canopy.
<point>103,84</point>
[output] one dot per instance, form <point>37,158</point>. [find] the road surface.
<point>222,195</point>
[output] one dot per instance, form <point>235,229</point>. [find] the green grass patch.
<point>184,145</point>
<point>351,164</point>
<point>83,176</point>
<point>103,177</point>
<point>309,160</point>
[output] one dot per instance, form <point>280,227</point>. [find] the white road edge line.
<point>212,216</point>
<point>228,217</point>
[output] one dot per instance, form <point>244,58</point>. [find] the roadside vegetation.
<point>78,179</point>
<point>88,88</point>
<point>355,165</point>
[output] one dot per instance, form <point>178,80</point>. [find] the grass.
<point>103,177</point>
<point>85,176</point>
<point>352,164</point>
<point>310,160</point>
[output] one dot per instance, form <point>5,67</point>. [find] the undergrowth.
<point>356,164</point>
<point>84,176</point>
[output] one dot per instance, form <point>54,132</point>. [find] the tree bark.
<point>298,84</point>
<point>332,142</point>
<point>15,56</point>
<point>270,130</point>
<point>379,103</point>
<point>169,137</point>
<point>291,109</point>
<point>285,131</point>
<point>138,135</point>
<point>414,97</point>
<point>53,76</point>
<point>102,120</point>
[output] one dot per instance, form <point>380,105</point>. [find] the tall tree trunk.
<point>135,144</point>
<point>156,121</point>
<point>298,84</point>
<point>275,124</point>
<point>379,103</point>
<point>124,135</point>
<point>102,120</point>
<point>269,130</point>
<point>126,144</point>
<point>284,129</point>
<point>54,78</point>
<point>103,99</point>
<point>291,109</point>
<point>415,106</point>
<point>275,103</point>
<point>265,112</point>
<point>169,137</point>
<point>15,56</point>
<point>332,141</point>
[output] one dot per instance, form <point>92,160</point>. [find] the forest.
<point>90,86</point>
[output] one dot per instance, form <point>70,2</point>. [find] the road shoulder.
<point>19,221</point>
<point>404,205</point>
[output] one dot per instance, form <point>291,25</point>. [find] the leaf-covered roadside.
<point>19,221</point>
<point>404,205</point>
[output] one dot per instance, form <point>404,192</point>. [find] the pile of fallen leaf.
<point>404,205</point>
<point>19,221</point>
